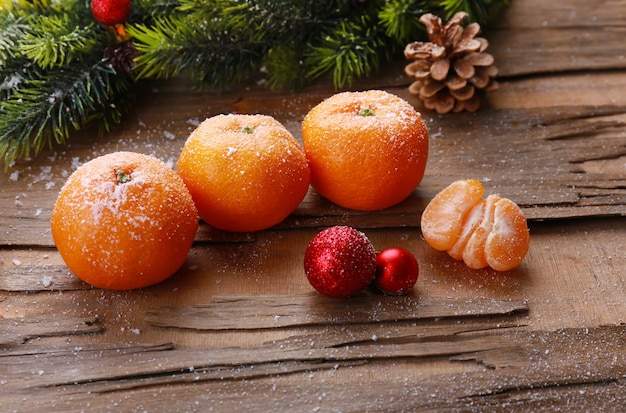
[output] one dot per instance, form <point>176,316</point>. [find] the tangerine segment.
<point>509,240</point>
<point>443,219</point>
<point>124,221</point>
<point>472,219</point>
<point>245,172</point>
<point>366,150</point>
<point>482,232</point>
<point>474,251</point>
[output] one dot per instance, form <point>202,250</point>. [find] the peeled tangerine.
<point>482,232</point>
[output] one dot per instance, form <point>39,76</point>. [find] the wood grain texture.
<point>578,368</point>
<point>239,327</point>
<point>273,311</point>
<point>21,330</point>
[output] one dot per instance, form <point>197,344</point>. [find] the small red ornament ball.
<point>111,12</point>
<point>396,271</point>
<point>340,261</point>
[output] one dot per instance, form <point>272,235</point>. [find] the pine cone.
<point>452,71</point>
<point>121,56</point>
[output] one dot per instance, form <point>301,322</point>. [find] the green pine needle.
<point>46,110</point>
<point>64,43</point>
<point>353,50</point>
<point>478,11</point>
<point>400,18</point>
<point>12,29</point>
<point>213,58</point>
<point>54,80</point>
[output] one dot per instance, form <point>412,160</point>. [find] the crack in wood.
<point>275,311</point>
<point>548,385</point>
<point>542,376</point>
<point>27,278</point>
<point>581,128</point>
<point>21,330</point>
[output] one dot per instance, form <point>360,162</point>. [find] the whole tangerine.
<point>482,232</point>
<point>245,172</point>
<point>366,150</point>
<point>124,221</point>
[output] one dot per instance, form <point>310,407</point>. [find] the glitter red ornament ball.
<point>396,271</point>
<point>111,12</point>
<point>340,261</point>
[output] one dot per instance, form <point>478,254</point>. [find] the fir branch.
<point>165,46</point>
<point>14,73</point>
<point>54,80</point>
<point>223,42</point>
<point>353,50</point>
<point>45,110</point>
<point>400,18</point>
<point>285,68</point>
<point>146,10</point>
<point>62,43</point>
<point>213,58</point>
<point>274,21</point>
<point>480,11</point>
<point>13,28</point>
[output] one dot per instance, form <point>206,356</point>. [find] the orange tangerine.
<point>442,220</point>
<point>366,150</point>
<point>124,221</point>
<point>245,172</point>
<point>482,232</point>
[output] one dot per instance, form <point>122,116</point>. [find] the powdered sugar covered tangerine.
<point>245,172</point>
<point>367,150</point>
<point>124,220</point>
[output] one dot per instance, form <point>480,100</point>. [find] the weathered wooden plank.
<point>268,311</point>
<point>532,15</point>
<point>566,370</point>
<point>549,50</point>
<point>113,365</point>
<point>577,367</point>
<point>335,335</point>
<point>224,363</point>
<point>10,354</point>
<point>382,395</point>
<point>40,278</point>
<point>537,37</point>
<point>20,330</point>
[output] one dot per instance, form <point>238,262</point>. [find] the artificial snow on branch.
<point>61,68</point>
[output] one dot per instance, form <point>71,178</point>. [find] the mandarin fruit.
<point>366,150</point>
<point>245,172</point>
<point>124,221</point>
<point>482,232</point>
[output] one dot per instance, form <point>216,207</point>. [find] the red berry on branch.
<point>340,261</point>
<point>111,12</point>
<point>396,271</point>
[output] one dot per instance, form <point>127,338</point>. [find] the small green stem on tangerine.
<point>366,111</point>
<point>122,176</point>
<point>247,129</point>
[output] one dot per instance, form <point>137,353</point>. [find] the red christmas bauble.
<point>111,12</point>
<point>340,261</point>
<point>396,271</point>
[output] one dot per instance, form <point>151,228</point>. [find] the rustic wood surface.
<point>240,327</point>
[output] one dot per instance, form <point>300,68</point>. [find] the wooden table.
<point>240,327</point>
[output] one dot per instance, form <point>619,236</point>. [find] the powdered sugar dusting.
<point>112,196</point>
